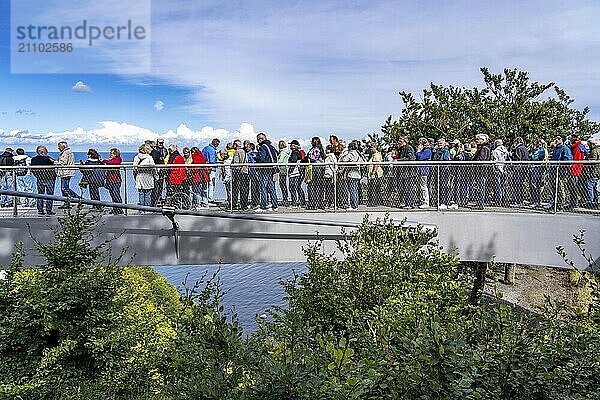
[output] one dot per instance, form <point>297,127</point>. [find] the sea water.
<point>249,289</point>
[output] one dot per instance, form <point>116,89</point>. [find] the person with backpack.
<point>266,155</point>
<point>6,176</point>
<point>24,178</point>
<point>482,173</point>
<point>45,179</point>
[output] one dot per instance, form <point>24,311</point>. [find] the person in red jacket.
<point>113,179</point>
<point>579,152</point>
<point>177,175</point>
<point>199,179</point>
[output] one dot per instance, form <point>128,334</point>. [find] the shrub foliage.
<point>389,317</point>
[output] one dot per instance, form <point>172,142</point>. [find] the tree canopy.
<point>509,105</point>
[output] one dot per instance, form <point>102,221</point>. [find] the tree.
<point>508,106</point>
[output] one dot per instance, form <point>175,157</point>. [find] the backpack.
<point>21,163</point>
<point>5,161</point>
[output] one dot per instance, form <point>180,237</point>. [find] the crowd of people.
<point>323,177</point>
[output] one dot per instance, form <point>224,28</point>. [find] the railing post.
<point>335,194</point>
<point>437,190</point>
<point>125,187</point>
<point>556,189</point>
<point>15,198</point>
<point>230,184</point>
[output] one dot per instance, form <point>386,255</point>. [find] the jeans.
<point>573,187</point>
<point>25,184</point>
<point>66,190</point>
<point>199,197</point>
<point>45,187</point>
<point>7,184</point>
<point>267,189</point>
<point>592,190</point>
<point>157,191</point>
<point>211,186</point>
<point>353,192</point>
<point>114,189</point>
<point>499,186</point>
<point>145,197</point>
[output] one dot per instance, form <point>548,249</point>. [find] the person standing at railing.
<point>375,177</point>
<point>113,178</point>
<point>210,153</point>
<point>390,172</point>
<point>66,159</point>
<point>266,155</point>
<point>225,174</point>
<point>463,175</point>
<point>24,178</point>
<point>592,173</point>
<point>198,177</point>
<point>537,171</point>
<point>6,176</point>
<point>328,177</point>
<point>177,175</point>
<point>45,179</point>
<point>481,173</point>
<point>282,158</point>
<point>352,172</point>
<point>500,154</point>
<point>558,173</point>
<point>316,189</point>
<point>144,173</point>
<point>159,153</point>
<point>296,174</point>
<point>574,183</point>
<point>442,170</point>
<point>252,175</point>
<point>94,178</point>
<point>406,173</point>
<point>518,171</point>
<point>424,154</point>
<point>240,180</point>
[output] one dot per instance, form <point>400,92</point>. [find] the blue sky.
<point>295,69</point>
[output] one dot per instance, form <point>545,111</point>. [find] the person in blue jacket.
<point>266,154</point>
<point>558,173</point>
<point>210,153</point>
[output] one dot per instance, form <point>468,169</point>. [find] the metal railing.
<point>526,187</point>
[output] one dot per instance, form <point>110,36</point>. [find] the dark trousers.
<point>374,192</point>
<point>114,189</point>
<point>45,186</point>
<point>296,192</point>
<point>283,185</point>
<point>240,190</point>
<point>254,190</point>
<point>157,191</point>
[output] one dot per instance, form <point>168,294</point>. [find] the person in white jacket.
<point>144,172</point>
<point>66,159</point>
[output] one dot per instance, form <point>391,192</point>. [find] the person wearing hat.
<point>296,176</point>
<point>558,173</point>
<point>6,180</point>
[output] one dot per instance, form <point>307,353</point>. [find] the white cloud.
<point>81,87</point>
<point>159,105</point>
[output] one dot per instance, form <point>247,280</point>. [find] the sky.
<point>292,69</point>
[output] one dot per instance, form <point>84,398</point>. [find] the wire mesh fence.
<point>341,187</point>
